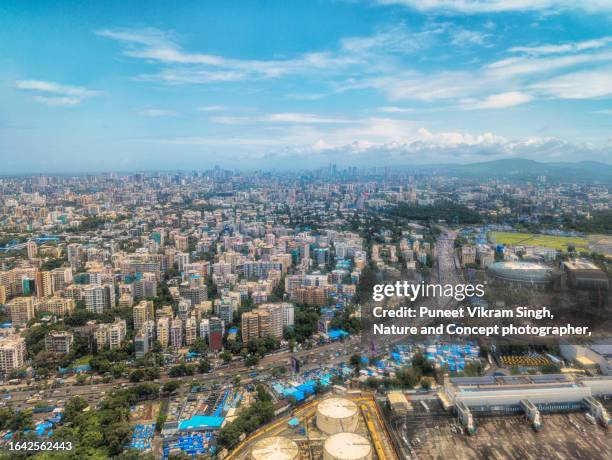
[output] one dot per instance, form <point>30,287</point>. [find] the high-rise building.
<point>249,326</point>
<point>144,311</point>
<point>61,277</point>
<point>195,294</point>
<point>44,284</point>
<point>311,295</point>
<point>182,260</point>
<point>76,254</point>
<point>256,324</point>
<point>191,330</point>
<point>145,287</point>
<point>225,310</point>
<point>275,310</point>
<point>12,353</point>
<point>59,342</point>
<point>58,306</point>
<point>288,314</point>
<point>205,329</point>
<point>99,298</point>
<point>111,335</point>
<point>21,310</point>
<point>126,301</point>
<point>32,249</point>
<point>163,331</point>
<point>181,242</point>
<point>215,334</point>
<point>143,340</point>
<point>183,309</point>
<point>176,333</point>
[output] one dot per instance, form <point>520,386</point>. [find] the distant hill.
<point>519,168</point>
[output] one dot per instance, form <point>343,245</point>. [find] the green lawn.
<point>531,239</point>
<point>82,360</point>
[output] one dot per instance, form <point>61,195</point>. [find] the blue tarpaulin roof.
<point>337,333</point>
<point>201,422</point>
<point>294,422</point>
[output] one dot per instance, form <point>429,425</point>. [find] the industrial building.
<point>347,446</point>
<point>582,274</point>
<point>337,415</point>
<point>275,447</point>
<point>516,394</point>
<point>350,427</point>
<point>590,356</point>
<point>398,403</point>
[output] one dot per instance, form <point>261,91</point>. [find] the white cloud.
<point>393,109</point>
<point>563,48</point>
<point>231,120</point>
<point>281,118</point>
<point>464,37</point>
<point>193,67</point>
<point>379,62</point>
<point>55,94</point>
<point>417,86</point>
<point>384,143</point>
<point>57,101</point>
<point>497,6</point>
<point>578,85</point>
<point>305,118</point>
<point>364,55</point>
<point>505,82</point>
<point>499,101</point>
<point>212,108</point>
<point>154,113</point>
<point>531,65</point>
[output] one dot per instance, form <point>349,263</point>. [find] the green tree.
<point>171,386</point>
<point>203,366</point>
<point>199,346</point>
<point>251,360</point>
<point>355,362</point>
<point>137,375</point>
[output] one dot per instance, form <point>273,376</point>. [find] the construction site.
<point>346,426</point>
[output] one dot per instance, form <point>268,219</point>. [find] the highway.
<point>446,271</point>
<point>322,356</point>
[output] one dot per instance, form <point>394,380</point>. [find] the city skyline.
<point>140,86</point>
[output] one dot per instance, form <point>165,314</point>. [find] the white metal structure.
<point>337,415</point>
<point>347,446</point>
<point>275,448</point>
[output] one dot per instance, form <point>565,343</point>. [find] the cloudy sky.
<point>115,85</point>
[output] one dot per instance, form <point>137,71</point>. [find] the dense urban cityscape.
<point>306,230</point>
<point>224,314</point>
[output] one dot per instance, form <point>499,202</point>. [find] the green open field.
<point>532,239</point>
<point>82,361</point>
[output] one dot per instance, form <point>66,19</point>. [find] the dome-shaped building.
<point>521,273</point>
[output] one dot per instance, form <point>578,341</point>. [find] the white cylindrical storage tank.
<point>347,446</point>
<point>337,415</point>
<point>275,448</point>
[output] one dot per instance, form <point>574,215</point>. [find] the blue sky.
<point>97,86</point>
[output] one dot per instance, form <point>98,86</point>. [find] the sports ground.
<point>532,239</point>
